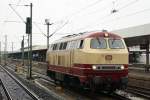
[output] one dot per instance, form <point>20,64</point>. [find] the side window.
<point>68,45</point>
<point>65,45</point>
<point>61,46</point>
<point>49,46</point>
<point>71,45</point>
<point>58,45</point>
<point>81,44</point>
<point>76,44</point>
<point>54,45</point>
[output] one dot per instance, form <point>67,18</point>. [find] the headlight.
<point>122,67</point>
<point>94,67</point>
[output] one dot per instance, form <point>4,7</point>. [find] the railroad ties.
<point>15,89</point>
<point>143,92</point>
<point>4,94</point>
<point>48,85</point>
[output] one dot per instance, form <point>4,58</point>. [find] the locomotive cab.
<point>107,56</point>
<point>113,64</point>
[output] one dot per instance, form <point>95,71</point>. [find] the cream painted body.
<point>87,55</point>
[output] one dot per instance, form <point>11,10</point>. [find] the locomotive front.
<point>103,62</point>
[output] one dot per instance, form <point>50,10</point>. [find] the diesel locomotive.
<point>96,60</point>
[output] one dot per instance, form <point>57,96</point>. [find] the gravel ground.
<point>75,97</point>
<point>65,95</point>
<point>44,95</point>
<point>2,93</point>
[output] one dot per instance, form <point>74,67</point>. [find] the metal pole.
<point>48,24</point>
<point>23,51</point>
<point>28,56</point>
<point>12,51</point>
<point>48,35</point>
<point>30,72</point>
<point>12,47</point>
<point>147,55</point>
<point>0,52</point>
<point>5,49</point>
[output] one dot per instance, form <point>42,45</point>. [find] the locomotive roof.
<point>87,35</point>
<point>101,34</point>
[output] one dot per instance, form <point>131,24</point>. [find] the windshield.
<point>116,44</point>
<point>98,43</point>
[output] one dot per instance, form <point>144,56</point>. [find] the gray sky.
<point>75,15</point>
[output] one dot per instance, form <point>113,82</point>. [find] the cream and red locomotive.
<point>93,59</point>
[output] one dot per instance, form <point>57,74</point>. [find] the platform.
<point>138,77</point>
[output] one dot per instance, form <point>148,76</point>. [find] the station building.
<point>38,53</point>
<point>137,39</point>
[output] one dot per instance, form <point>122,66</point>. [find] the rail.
<point>114,95</point>
<point>33,95</point>
<point>5,90</point>
<point>120,97</point>
<point>144,92</point>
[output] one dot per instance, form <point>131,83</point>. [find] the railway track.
<point>4,94</point>
<point>139,91</point>
<point>41,92</point>
<point>78,94</point>
<point>39,75</point>
<point>96,96</point>
<point>85,94</point>
<point>17,90</point>
<point>120,97</point>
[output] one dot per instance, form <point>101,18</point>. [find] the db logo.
<point>108,57</point>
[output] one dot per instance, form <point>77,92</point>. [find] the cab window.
<point>116,44</point>
<point>98,43</point>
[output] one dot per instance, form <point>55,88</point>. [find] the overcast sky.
<point>69,16</point>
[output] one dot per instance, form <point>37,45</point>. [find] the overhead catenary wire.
<point>39,29</point>
<point>15,21</point>
<point>6,17</point>
<point>12,21</point>
<point>58,29</point>
<point>81,10</point>
<point>108,15</point>
<point>104,17</point>
<point>114,7</point>
<point>35,23</point>
<point>128,15</point>
<point>101,10</point>
<point>17,13</point>
<point>88,6</point>
<point>84,8</point>
<point>3,24</point>
<point>129,4</point>
<point>11,12</point>
<point>23,19</point>
<point>123,7</point>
